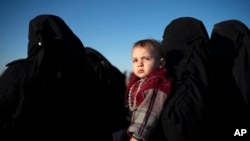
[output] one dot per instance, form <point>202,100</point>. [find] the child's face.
<point>144,61</point>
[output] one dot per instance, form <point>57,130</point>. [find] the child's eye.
<point>146,58</point>
<point>134,60</point>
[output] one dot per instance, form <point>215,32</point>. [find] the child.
<point>147,91</point>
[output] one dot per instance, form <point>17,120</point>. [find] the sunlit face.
<point>144,61</point>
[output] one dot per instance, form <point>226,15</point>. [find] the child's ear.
<point>162,62</point>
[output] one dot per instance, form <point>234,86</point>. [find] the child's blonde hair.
<point>153,44</point>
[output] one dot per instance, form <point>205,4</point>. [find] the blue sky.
<point>110,26</point>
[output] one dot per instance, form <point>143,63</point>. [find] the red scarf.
<point>155,80</point>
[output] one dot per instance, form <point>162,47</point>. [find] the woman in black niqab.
<point>51,93</point>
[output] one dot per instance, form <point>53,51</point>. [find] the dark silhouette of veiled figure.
<point>112,98</point>
<point>53,93</point>
<point>186,43</point>
<point>229,79</point>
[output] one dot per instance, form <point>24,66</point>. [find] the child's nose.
<point>140,63</point>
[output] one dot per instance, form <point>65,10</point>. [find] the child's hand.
<point>133,139</point>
